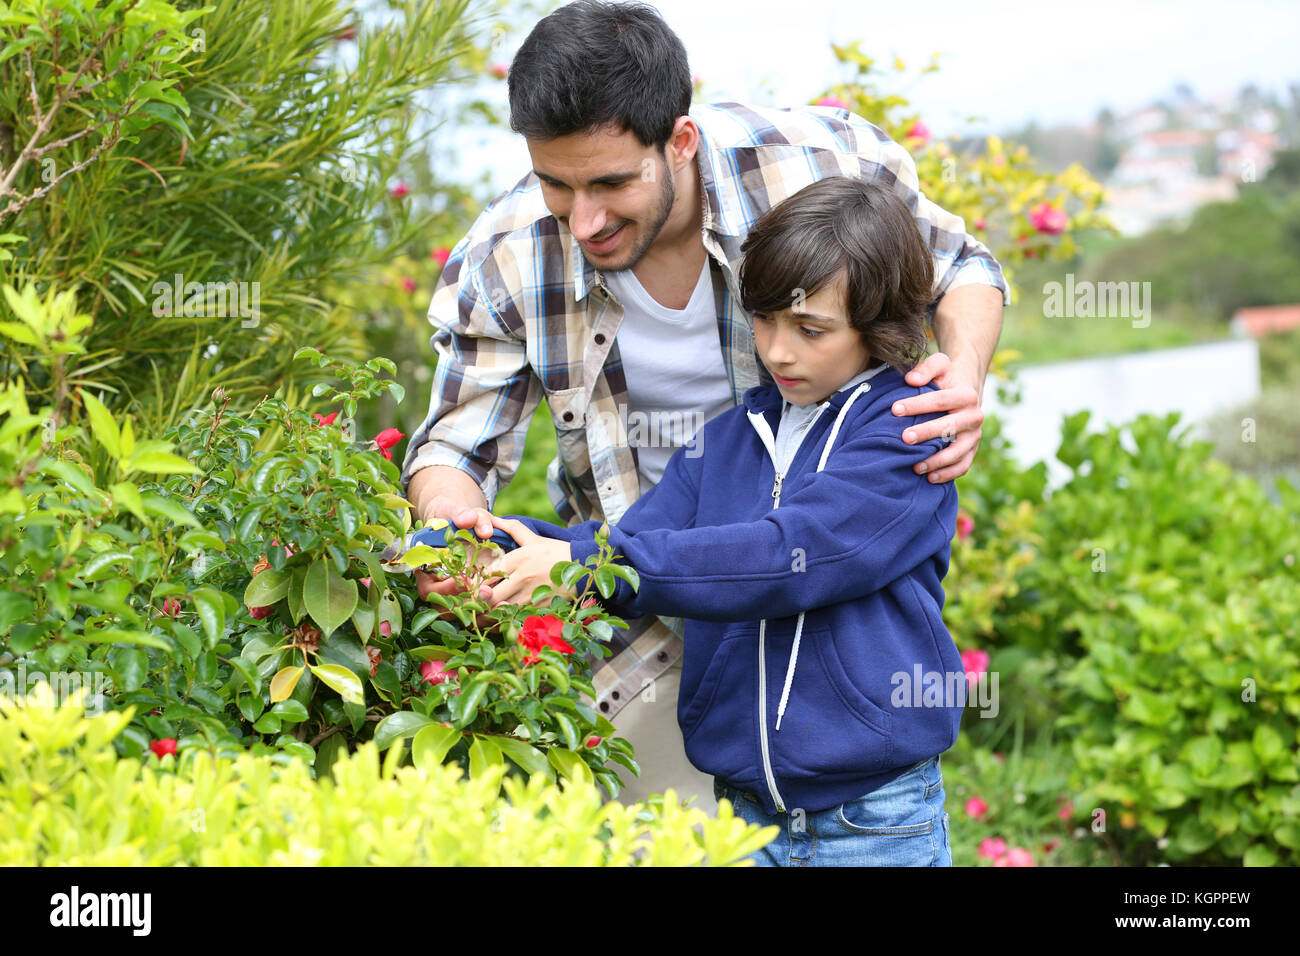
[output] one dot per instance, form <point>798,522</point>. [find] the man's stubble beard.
<point>667,195</point>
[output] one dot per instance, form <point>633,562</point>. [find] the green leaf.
<point>267,724</point>
<point>605,582</point>
<point>469,702</point>
<point>329,597</point>
<point>290,711</point>
<point>567,729</point>
<point>108,635</point>
<point>211,606</point>
<point>126,495</point>
<point>101,424</point>
<point>14,608</point>
<point>160,463</point>
<point>267,587</point>
<point>526,756</point>
<point>431,745</point>
<point>483,754</point>
<point>569,764</point>
<point>154,504</point>
<point>342,680</point>
<point>399,726</point>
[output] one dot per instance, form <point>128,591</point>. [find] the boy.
<point>804,552</point>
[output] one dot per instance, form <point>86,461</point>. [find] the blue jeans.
<point>902,823</point>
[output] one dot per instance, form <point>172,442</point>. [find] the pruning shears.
<point>436,536</point>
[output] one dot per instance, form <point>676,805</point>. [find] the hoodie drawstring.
<point>798,629</point>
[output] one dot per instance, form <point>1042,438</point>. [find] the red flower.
<point>593,742</point>
<point>260,612</point>
<point>499,70</point>
<point>385,628</point>
<point>834,101</point>
<point>980,223</point>
<point>400,190</point>
<point>325,419</point>
<point>976,808</point>
<point>965,525</point>
<point>991,848</point>
<point>588,603</point>
<point>435,672</point>
<point>375,658</point>
<point>1051,844</point>
<point>539,632</point>
<point>408,284</point>
<point>1017,856</point>
<point>1047,218</point>
<point>1066,810</point>
<point>345,33</point>
<point>163,747</point>
<point>386,439</point>
<point>974,663</point>
<point>441,254</point>
<point>171,607</point>
<point>919,131</point>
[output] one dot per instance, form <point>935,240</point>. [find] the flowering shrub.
<point>1016,210</point>
<point>226,584</point>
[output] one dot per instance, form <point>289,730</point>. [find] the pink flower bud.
<point>1048,219</point>
<point>163,747</point>
<point>976,808</point>
<point>919,131</point>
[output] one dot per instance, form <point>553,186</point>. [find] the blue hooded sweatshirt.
<point>816,667</point>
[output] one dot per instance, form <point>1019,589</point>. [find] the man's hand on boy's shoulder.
<point>958,394</point>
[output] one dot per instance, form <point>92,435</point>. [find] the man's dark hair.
<point>590,64</point>
<point>837,223</point>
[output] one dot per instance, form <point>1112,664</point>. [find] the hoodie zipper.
<point>764,430</point>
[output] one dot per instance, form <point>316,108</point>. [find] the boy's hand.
<point>528,566</point>
<point>959,393</point>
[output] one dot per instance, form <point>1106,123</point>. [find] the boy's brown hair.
<point>836,223</point>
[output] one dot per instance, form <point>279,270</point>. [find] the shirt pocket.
<point>568,407</point>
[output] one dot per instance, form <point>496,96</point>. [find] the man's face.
<point>611,192</point>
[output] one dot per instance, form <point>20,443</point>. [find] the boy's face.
<point>810,348</point>
<point>612,193</point>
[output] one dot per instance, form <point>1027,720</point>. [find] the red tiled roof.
<point>1261,320</point>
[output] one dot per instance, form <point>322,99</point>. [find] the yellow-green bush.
<point>67,798</point>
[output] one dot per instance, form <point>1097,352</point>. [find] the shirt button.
<point>600,338</point>
<point>663,655</point>
<point>567,416</point>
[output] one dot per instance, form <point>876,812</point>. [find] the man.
<point>605,281</point>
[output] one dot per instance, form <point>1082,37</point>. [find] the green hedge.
<point>67,798</point>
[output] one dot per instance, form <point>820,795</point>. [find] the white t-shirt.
<point>672,360</point>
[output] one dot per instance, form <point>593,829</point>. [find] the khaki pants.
<point>649,722</point>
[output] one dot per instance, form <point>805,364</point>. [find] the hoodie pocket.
<point>719,722</point>
<point>829,726</point>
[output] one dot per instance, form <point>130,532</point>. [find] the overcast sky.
<point>1008,62</point>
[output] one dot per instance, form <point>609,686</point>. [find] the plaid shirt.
<point>521,315</point>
